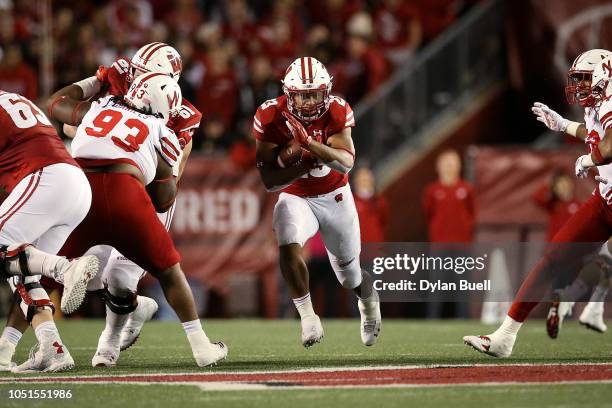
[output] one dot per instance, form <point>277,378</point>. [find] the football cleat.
<point>592,317</point>
<point>496,345</point>
<point>210,354</point>
<point>557,312</point>
<point>312,331</point>
<point>75,277</point>
<point>370,328</point>
<point>49,357</point>
<point>105,357</point>
<point>144,312</point>
<point>7,349</point>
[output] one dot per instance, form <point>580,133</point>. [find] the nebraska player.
<point>120,271</point>
<point>124,145</point>
<point>592,223</point>
<point>315,191</point>
<point>49,196</point>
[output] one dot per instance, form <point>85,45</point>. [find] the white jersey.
<point>597,120</point>
<point>112,130</point>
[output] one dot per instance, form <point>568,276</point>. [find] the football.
<point>289,154</point>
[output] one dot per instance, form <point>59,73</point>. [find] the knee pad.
<point>120,305</point>
<point>14,260</point>
<point>348,271</point>
<point>31,295</point>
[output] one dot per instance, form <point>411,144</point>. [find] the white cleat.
<point>370,328</point>
<point>76,276</point>
<point>210,354</point>
<point>312,330</point>
<point>7,349</point>
<point>51,357</point>
<point>496,345</point>
<point>592,317</point>
<point>105,357</point>
<point>144,312</point>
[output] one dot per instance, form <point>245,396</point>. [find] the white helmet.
<point>600,84</point>
<point>156,57</point>
<point>307,85</point>
<point>155,94</point>
<point>578,87</point>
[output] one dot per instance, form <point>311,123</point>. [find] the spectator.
<point>371,207</point>
<point>261,86</point>
<point>215,136</point>
<point>218,92</point>
<point>242,151</point>
<point>364,68</point>
<point>17,76</point>
<point>448,203</point>
<point>558,199</point>
<point>398,29</point>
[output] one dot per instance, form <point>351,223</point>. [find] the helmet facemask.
<point>578,88</point>
<point>308,104</point>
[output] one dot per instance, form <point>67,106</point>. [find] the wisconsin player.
<point>48,197</point>
<point>591,225</point>
<point>124,145</point>
<point>315,194</point>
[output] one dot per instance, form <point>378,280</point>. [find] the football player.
<point>48,197</point>
<point>315,194</point>
<point>123,144</point>
<point>127,314</point>
<point>589,81</point>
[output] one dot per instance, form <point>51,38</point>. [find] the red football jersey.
<point>28,141</point>
<point>183,124</point>
<point>269,126</point>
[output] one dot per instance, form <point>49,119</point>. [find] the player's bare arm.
<point>272,175</point>
<point>67,105</point>
<point>184,157</point>
<point>163,188</point>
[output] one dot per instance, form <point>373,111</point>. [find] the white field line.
<point>235,386</point>
<point>213,372</point>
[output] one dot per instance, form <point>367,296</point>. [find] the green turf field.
<point>274,345</point>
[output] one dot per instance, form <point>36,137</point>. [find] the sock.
<point>47,332</point>
<point>195,334</point>
<point>370,306</point>
<point>599,294</point>
<point>509,326</point>
<point>304,306</point>
<point>575,291</point>
<point>12,335</point>
<point>114,324</point>
<point>40,263</point>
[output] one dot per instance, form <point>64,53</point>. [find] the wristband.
<point>90,86</point>
<point>572,128</point>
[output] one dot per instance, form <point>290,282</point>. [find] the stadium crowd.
<point>234,51</point>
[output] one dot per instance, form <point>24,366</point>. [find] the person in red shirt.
<point>448,203</point>
<point>559,201</point>
<point>16,75</point>
<point>371,207</point>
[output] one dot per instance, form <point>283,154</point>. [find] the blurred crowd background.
<point>447,148</point>
<point>234,51</point>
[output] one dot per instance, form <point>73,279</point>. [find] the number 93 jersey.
<point>113,131</point>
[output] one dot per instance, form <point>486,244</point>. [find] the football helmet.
<point>156,94</point>
<point>578,87</point>
<point>600,83</point>
<point>307,85</point>
<point>156,57</point>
